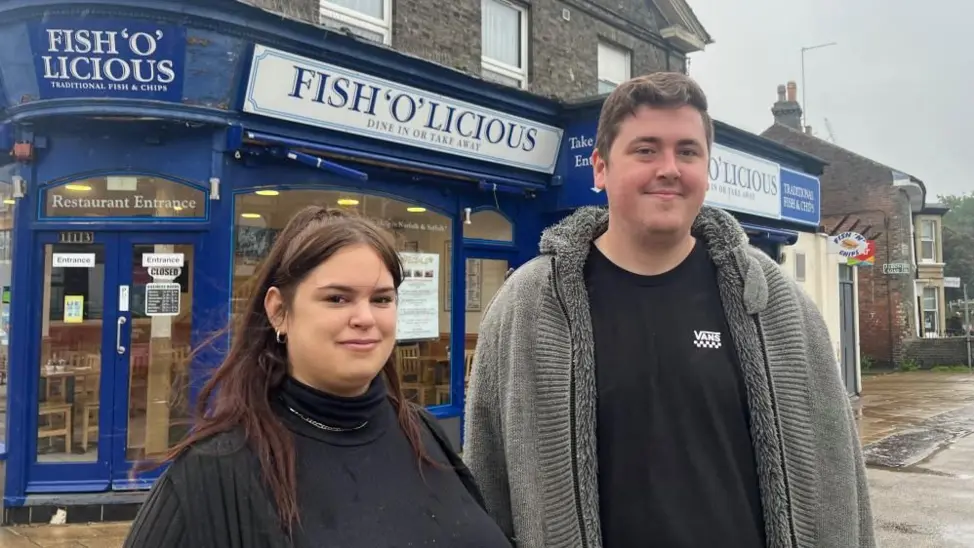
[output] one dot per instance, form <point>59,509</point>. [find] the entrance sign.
<point>162,259</point>
<point>136,201</point>
<point>129,197</point>
<point>418,305</point>
<point>162,299</point>
<point>73,260</point>
<point>87,57</point>
<point>305,91</point>
<point>739,181</point>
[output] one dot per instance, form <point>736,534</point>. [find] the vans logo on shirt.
<point>706,339</point>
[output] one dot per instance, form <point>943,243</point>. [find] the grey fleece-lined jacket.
<point>531,406</point>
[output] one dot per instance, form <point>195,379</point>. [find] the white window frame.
<point>352,18</point>
<point>614,49</point>
<point>499,67</point>
<point>935,331</point>
<point>932,241</point>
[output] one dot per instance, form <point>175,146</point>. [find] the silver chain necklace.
<point>322,426</point>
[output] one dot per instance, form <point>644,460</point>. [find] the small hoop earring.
<point>280,339</point>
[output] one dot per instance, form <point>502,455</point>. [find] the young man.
<point>651,379</point>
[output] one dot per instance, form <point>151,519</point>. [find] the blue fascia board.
<point>88,106</point>
<point>254,24</point>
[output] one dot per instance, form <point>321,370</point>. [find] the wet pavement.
<point>894,402</point>
<point>916,430</point>
<point>101,535</point>
<point>929,505</point>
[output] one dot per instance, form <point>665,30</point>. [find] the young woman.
<point>305,438</point>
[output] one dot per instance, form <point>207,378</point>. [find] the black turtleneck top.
<point>359,487</point>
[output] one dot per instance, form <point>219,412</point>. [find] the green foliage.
<point>950,369</point>
<point>909,364</point>
<point>866,362</point>
<point>959,239</point>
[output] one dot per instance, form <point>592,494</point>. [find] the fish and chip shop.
<point>153,161</point>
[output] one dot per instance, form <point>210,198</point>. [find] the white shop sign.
<point>745,183</point>
<point>302,90</point>
<point>73,260</point>
<point>162,259</point>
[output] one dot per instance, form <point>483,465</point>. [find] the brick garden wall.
<point>929,353</point>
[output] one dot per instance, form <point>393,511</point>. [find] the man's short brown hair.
<point>656,90</point>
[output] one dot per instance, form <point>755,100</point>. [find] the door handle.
<point>118,335</point>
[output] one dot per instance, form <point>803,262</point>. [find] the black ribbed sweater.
<point>360,489</point>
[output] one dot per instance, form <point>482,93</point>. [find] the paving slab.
<point>927,505</point>
<point>96,535</point>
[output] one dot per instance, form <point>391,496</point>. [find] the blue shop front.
<point>772,190</point>
<point>156,153</point>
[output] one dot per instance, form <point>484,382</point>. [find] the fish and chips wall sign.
<point>857,250</point>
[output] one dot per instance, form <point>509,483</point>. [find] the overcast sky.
<point>897,87</point>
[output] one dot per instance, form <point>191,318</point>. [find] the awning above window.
<point>322,164</point>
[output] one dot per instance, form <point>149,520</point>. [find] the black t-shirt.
<point>676,464</point>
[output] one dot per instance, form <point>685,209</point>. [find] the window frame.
<point>932,240</point>
<point>615,49</point>
<point>499,67</point>
<point>352,18</point>
<point>935,310</point>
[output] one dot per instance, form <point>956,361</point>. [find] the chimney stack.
<point>786,110</point>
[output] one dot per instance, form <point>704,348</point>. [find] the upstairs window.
<point>614,67</point>
<point>369,19</point>
<point>504,43</point>
<point>928,242</point>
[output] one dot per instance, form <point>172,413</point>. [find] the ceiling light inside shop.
<point>267,193</point>
<point>178,208</point>
<point>347,201</point>
<point>250,215</point>
<point>416,209</point>
<point>9,201</point>
<point>75,186</point>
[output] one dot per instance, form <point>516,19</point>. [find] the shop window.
<point>504,42</point>
<point>369,19</point>
<point>928,241</point>
<point>127,196</point>
<point>614,67</point>
<point>423,239</point>
<point>488,224</point>
<point>6,270</point>
<point>931,311</point>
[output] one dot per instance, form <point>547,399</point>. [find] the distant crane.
<point>828,126</point>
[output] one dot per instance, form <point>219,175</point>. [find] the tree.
<point>958,236</point>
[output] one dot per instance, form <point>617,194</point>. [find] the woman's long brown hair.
<point>238,394</point>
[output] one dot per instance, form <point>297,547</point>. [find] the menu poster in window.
<point>74,307</point>
<point>418,305</point>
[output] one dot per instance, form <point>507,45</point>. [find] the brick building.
<point>563,49</point>
<point>865,196</point>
